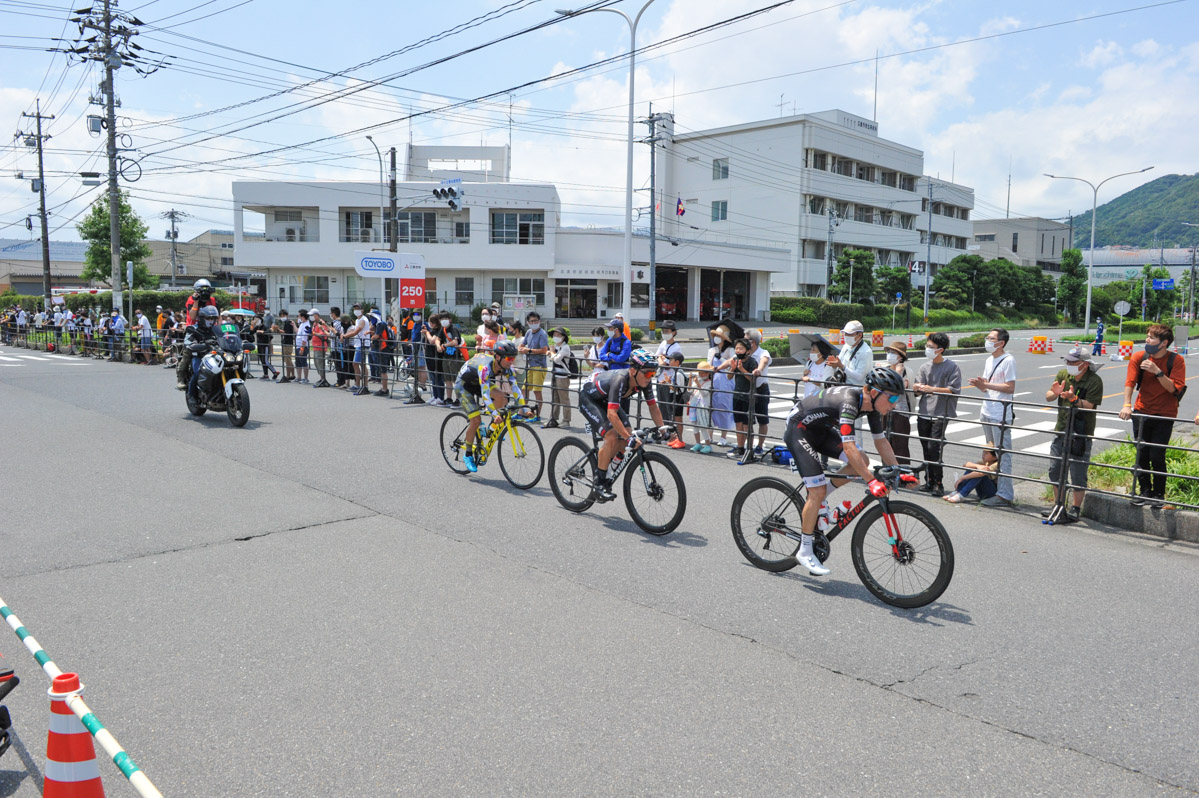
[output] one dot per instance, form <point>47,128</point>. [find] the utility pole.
<point>41,190</point>
<point>653,140</point>
<point>395,229</point>
<point>112,62</point>
<point>833,221</point>
<point>928,263</point>
<point>173,235</point>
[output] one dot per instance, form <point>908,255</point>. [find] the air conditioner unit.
<point>289,234</point>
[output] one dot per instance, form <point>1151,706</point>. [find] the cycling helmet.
<point>885,380</point>
<point>641,359</point>
<point>504,349</point>
<point>208,315</point>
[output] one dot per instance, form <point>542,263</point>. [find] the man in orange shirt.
<point>1161,377</point>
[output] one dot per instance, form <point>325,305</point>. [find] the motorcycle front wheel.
<point>238,406</point>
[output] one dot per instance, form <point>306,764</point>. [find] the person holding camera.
<point>1080,386</point>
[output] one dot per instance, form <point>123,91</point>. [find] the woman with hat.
<point>722,357</point>
<point>901,424</point>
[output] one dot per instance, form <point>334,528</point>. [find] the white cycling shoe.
<point>813,565</point>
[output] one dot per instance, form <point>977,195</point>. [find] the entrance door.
<point>561,302</point>
<point>672,293</point>
<point>584,303</point>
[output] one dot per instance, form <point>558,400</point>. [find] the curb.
<point>1159,522</point>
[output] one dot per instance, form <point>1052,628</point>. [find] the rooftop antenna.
<point>875,117</point>
<point>781,103</point>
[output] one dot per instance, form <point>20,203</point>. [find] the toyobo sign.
<point>407,267</point>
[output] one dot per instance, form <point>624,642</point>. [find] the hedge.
<point>145,300</point>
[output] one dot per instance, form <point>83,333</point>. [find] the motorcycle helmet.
<point>203,287</point>
<point>208,316</point>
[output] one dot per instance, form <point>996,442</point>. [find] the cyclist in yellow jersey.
<point>486,379</point>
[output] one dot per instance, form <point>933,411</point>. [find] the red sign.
<point>412,292</point>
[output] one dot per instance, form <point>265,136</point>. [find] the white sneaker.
<point>813,565</point>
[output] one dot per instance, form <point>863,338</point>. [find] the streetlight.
<point>626,282</point>
<point>1192,313</point>
<point>382,186</point>
<point>1094,207</point>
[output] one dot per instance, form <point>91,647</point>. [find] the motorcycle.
<point>8,681</point>
<point>221,384</point>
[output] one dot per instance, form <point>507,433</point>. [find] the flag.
<point>678,208</point>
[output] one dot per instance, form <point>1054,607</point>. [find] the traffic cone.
<point>1050,344</point>
<point>909,340</point>
<point>1031,346</point>
<point>71,767</point>
<point>1104,352</point>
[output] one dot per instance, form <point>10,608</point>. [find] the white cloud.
<point>1101,55</point>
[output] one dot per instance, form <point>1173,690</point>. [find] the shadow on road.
<point>11,780</point>
<point>214,419</point>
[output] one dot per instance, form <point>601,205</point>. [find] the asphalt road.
<point>314,605</point>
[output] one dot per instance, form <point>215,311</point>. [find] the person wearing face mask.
<point>535,347</point>
<point>938,385</point>
<point>116,331</point>
<point>145,334</point>
<point>1161,377</point>
<point>818,374</point>
<point>901,423</point>
<point>359,333</point>
<point>722,358</point>
<point>998,382</point>
<point>591,355</point>
<point>1080,386</point>
<point>560,358</point>
<point>668,389</point>
<point>614,353</point>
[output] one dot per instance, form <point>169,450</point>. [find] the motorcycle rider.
<point>200,340</point>
<point>201,298</point>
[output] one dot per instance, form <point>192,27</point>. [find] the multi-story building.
<point>21,265</point>
<point>1113,264</point>
<point>1026,242</point>
<point>504,242</point>
<point>952,205</point>
<point>209,255</point>
<point>817,184</point>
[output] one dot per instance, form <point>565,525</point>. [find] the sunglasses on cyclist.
<point>892,398</point>
<point>649,374</point>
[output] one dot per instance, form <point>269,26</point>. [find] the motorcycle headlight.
<point>228,357</point>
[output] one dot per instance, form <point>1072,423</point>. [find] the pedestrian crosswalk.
<point>15,358</point>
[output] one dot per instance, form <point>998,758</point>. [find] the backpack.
<point>572,365</point>
<point>1170,356</point>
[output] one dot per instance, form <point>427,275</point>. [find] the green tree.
<point>98,261</point>
<point>969,281</point>
<point>1157,302</point>
<point>1072,286</point>
<point>891,280</point>
<point>861,262</point>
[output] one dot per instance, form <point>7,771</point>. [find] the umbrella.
<point>240,312</point>
<point>735,329</point>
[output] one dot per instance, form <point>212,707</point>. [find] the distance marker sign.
<point>407,267</point>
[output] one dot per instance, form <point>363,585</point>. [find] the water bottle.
<point>617,461</point>
<point>841,511</point>
<point>823,518</point>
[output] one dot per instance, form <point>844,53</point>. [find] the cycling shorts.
<point>470,402</point>
<point>594,407</point>
<point>807,448</point>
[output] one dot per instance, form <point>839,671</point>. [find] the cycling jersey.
<point>819,425</point>
<point>606,390</point>
<point>479,373</point>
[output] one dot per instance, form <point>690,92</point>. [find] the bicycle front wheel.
<point>453,442</point>
<point>570,474</point>
<point>521,457</point>
<point>654,493</point>
<point>763,511</point>
<point>908,574</point>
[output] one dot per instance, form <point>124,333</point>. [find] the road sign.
<point>408,267</point>
<point>898,295</point>
<point>1163,285</point>
<point>1122,308</point>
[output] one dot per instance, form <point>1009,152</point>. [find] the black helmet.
<point>208,314</point>
<point>504,349</point>
<point>885,380</point>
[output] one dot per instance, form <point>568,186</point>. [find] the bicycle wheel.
<point>521,457</point>
<point>654,493</point>
<point>763,510</point>
<point>912,573</point>
<point>571,475</point>
<point>453,445</point>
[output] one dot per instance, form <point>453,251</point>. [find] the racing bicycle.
<point>522,459</point>
<point>901,552</point>
<point>654,492</point>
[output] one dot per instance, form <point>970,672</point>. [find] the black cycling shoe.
<point>603,491</point>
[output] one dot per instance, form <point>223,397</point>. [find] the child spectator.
<point>699,408</point>
<point>981,478</point>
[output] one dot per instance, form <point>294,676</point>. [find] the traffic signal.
<point>451,195</point>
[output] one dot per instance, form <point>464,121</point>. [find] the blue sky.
<point>1092,97</point>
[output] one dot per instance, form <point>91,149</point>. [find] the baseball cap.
<point>617,323</point>
<point>314,312</point>
<point>853,328</point>
<point>1076,354</point>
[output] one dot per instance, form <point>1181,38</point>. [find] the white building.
<point>1031,241</point>
<point>505,243</point>
<point>802,181</point>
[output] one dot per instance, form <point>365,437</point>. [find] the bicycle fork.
<point>900,549</point>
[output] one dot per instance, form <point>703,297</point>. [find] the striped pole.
<point>122,760</point>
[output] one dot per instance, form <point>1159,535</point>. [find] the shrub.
<point>972,341</point>
<point>777,347</point>
<point>636,334</point>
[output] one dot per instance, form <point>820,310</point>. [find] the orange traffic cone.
<point>71,767</point>
<point>1031,346</point>
<point>909,340</point>
<point>1050,344</point>
<point>1104,350</point>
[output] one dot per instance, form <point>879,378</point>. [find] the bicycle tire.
<point>572,485</point>
<point>926,551</point>
<point>519,454</point>
<point>651,467</point>
<point>766,504</point>
<point>453,432</point>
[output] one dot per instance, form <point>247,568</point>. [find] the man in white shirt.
<point>855,360</point>
<point>303,339</point>
<point>59,321</point>
<point>998,382</point>
<point>671,411</point>
<point>761,403</point>
<point>22,325</point>
<point>359,332</point>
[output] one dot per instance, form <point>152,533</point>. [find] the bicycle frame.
<point>894,535</point>
<point>506,430</point>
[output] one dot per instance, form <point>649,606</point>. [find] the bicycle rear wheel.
<point>654,493</point>
<point>453,442</point>
<point>521,457</point>
<point>911,573</point>
<point>763,511</point>
<point>571,475</point>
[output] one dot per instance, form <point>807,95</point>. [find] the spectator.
<point>338,348</point>
<point>145,335</point>
<point>384,343</point>
<point>1160,377</point>
<point>88,323</point>
<point>721,356</point>
<point>434,354</point>
<point>60,321</point>
<point>900,415</point>
<point>420,361</point>
<point>761,398</point>
<point>744,369</point>
<point>1098,348</point>
<point>535,348</point>
<point>938,385</point>
<point>321,333</point>
<point>817,372</point>
<point>591,355</point>
<point>287,344</point>
<point>979,477</point>
<point>303,336</point>
<point>667,387</point>
<point>496,315</point>
<point>22,326</point>
<point>160,321</point>
<point>856,358</point>
<point>116,329</point>
<point>614,353</point>
<point>449,356</point>
<point>699,408</point>
<point>998,382</point>
<point>1077,385</point>
<point>624,325</point>
<point>358,333</point>
<point>490,336</point>
<point>560,358</point>
<point>262,340</point>
<point>72,325</point>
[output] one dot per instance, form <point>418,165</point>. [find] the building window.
<point>615,296</point>
<point>720,168</point>
<point>464,291</point>
<point>820,161</point>
<point>522,286</point>
<point>509,227</point>
<point>1015,242</point>
<point>907,183</point>
<point>226,245</point>
<point>226,261</point>
<point>866,173</point>
<point>416,227</point>
<point>816,206</point>
<point>985,237</point>
<point>359,226</point>
<point>462,232</point>
<point>289,215</point>
<point>306,290</point>
<point>843,166</point>
<point>720,210</point>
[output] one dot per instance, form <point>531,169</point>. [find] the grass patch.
<point>1184,462</point>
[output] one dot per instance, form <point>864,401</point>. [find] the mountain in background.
<point>1132,219</point>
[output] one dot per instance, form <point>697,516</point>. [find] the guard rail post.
<point>1063,477</point>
